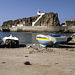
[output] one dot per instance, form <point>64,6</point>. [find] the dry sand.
<point>55,61</point>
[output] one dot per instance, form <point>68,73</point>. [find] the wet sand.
<point>44,61</point>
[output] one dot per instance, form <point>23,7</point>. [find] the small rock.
<point>3,62</point>
<point>26,56</point>
<point>30,52</point>
<point>71,50</point>
<point>34,44</point>
<point>66,48</point>
<point>27,63</point>
<point>29,46</point>
<point>56,63</point>
<point>35,48</point>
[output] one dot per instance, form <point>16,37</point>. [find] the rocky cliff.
<point>24,21</point>
<point>48,19</point>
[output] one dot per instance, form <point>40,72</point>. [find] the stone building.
<point>70,22</point>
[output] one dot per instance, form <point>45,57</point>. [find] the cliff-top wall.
<point>48,19</point>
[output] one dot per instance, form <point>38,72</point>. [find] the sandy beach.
<point>44,61</point>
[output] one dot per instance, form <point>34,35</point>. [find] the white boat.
<point>49,40</point>
<point>11,41</point>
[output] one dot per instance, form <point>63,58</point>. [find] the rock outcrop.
<point>48,19</point>
<point>24,21</point>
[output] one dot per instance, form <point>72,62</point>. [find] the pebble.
<point>27,63</point>
<point>3,62</point>
<point>26,56</point>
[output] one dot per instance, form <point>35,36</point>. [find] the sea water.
<point>28,37</point>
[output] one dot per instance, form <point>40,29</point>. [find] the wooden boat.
<point>11,41</point>
<point>49,40</point>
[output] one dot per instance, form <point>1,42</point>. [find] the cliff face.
<point>24,21</point>
<point>49,19</point>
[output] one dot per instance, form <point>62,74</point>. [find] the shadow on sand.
<point>20,45</point>
<point>68,45</point>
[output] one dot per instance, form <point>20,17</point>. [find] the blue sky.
<point>15,9</point>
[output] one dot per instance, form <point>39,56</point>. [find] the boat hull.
<point>45,43</point>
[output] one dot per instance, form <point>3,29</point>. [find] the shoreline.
<point>65,29</point>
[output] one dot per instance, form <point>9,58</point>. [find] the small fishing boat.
<point>49,40</point>
<point>69,38</point>
<point>11,41</point>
